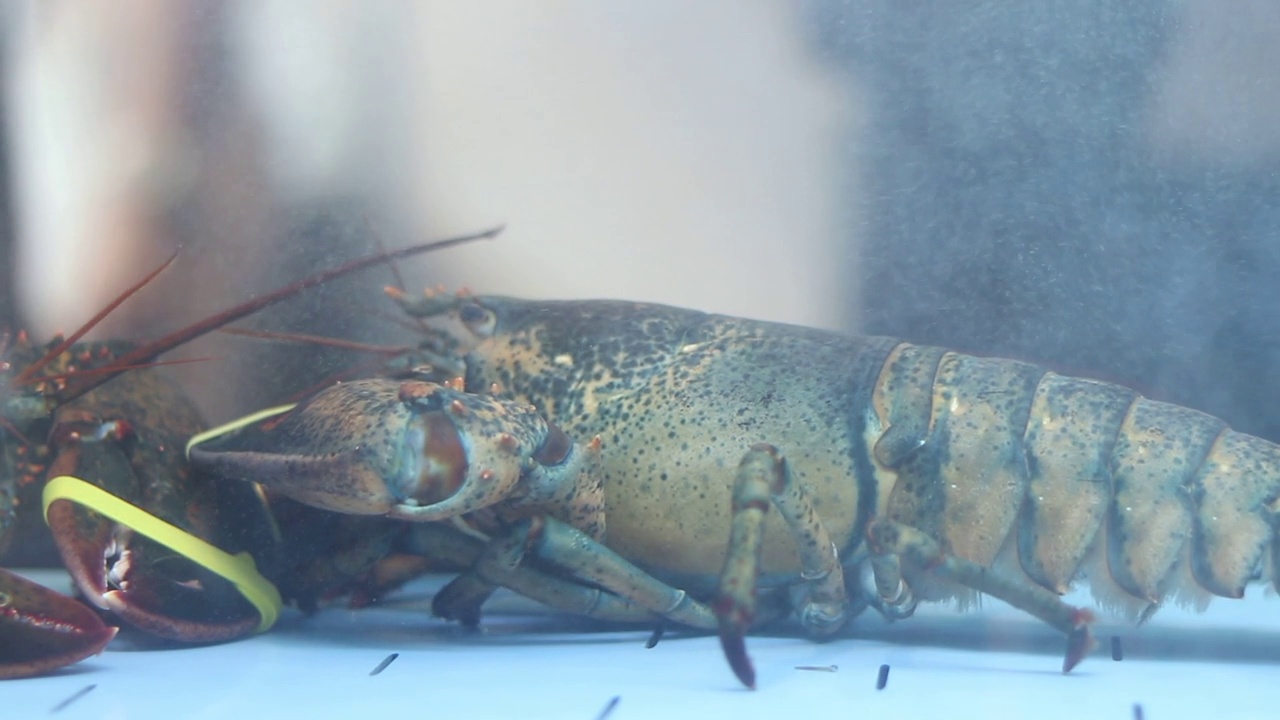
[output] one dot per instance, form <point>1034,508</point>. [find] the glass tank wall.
<point>1089,187</point>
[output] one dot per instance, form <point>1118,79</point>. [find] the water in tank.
<point>849,356</point>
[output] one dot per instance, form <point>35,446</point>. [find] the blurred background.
<point>1091,185</point>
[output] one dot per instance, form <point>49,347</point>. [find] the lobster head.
<point>453,324</point>
<point>410,450</point>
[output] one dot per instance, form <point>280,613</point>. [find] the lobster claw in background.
<point>141,581</point>
<point>41,630</point>
<point>112,420</point>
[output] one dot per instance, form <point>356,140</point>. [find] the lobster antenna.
<point>28,373</point>
<point>149,352</point>
<point>419,325</point>
<point>318,340</point>
<point>116,369</point>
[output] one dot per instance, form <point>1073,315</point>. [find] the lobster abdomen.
<point>981,452</point>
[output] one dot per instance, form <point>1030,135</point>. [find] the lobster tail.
<point>1072,478</point>
<point>1179,486</point>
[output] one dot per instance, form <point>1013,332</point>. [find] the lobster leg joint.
<point>885,589</point>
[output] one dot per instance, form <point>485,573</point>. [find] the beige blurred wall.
<point>678,152</point>
<point>667,151</point>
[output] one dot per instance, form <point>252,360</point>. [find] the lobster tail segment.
<point>1235,498</point>
<point>1166,487</point>
<point>952,448</point>
<point>1071,434</point>
<point>1157,456</point>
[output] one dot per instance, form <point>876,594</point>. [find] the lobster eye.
<point>478,319</point>
<point>425,396</point>
<point>555,448</point>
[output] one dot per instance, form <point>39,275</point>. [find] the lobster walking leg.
<point>498,564</point>
<point>763,477</point>
<point>887,590</point>
<point>587,561</point>
<point>917,548</point>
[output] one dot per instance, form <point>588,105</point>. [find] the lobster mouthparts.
<point>41,630</point>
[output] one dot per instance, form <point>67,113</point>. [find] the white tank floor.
<point>526,663</point>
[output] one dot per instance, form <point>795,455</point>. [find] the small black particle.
<point>608,708</point>
<point>883,678</point>
<point>74,697</point>
<point>655,637</point>
<point>1117,652</point>
<point>383,665</point>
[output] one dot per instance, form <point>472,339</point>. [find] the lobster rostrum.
<point>99,411</point>
<point>899,473</point>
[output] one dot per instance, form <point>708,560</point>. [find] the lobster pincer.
<point>462,463</point>
<point>412,450</point>
<point>126,438</point>
<point>41,630</point>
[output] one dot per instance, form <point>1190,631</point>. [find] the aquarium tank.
<point>622,360</point>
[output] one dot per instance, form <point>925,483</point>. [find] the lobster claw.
<point>41,630</point>
<point>141,581</point>
<point>409,450</point>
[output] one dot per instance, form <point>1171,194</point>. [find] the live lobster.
<point>619,459</point>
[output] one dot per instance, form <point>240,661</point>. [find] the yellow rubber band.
<point>236,425</point>
<point>239,569</point>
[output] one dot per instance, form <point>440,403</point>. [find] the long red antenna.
<point>28,373</point>
<point>145,354</point>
